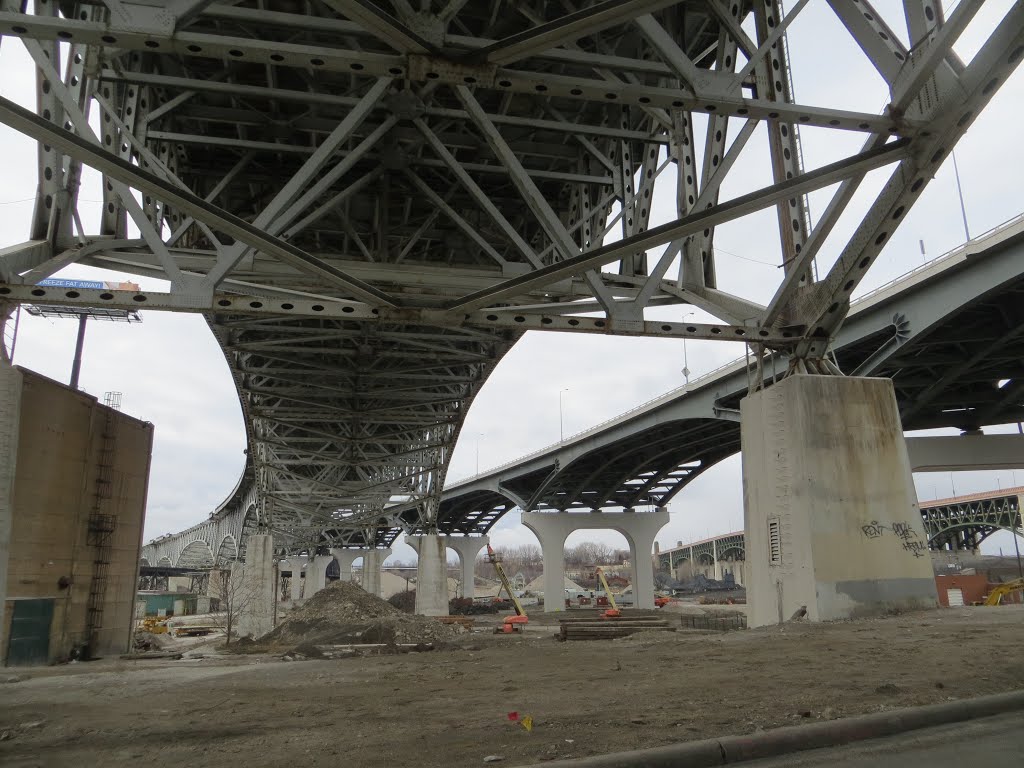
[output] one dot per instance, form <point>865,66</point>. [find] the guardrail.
<point>939,259</point>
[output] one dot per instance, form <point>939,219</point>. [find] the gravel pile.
<point>344,613</point>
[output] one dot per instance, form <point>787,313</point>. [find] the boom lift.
<point>995,597</point>
<point>512,623</point>
<point>613,612</point>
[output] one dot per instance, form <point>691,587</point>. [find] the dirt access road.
<point>450,707</point>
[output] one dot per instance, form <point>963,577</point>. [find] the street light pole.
<point>686,360</point>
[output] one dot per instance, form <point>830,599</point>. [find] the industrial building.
<point>73,481</point>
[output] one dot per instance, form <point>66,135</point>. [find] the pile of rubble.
<point>345,614</point>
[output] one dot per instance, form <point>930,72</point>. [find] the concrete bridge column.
<point>551,530</point>
<point>639,528</point>
<point>251,590</point>
<point>373,559</point>
<point>316,574</point>
<point>718,565</point>
<point>296,562</point>
<point>468,549</point>
<point>831,515</point>
<point>431,574</point>
<point>345,558</point>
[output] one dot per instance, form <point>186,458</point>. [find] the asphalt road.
<point>995,742</point>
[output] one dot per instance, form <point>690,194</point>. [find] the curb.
<point>781,741</point>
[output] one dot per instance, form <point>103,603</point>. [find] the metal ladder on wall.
<point>101,527</point>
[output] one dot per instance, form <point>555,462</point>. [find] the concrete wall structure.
<point>10,411</point>
<point>831,516</point>
<point>373,560</point>
<point>639,528</point>
<point>468,549</point>
<point>431,574</point>
<point>78,494</point>
<point>252,586</point>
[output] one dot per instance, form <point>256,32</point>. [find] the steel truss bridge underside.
<point>371,202</point>
<point>950,335</point>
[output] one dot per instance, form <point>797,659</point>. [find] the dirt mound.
<point>344,613</point>
<point>343,601</point>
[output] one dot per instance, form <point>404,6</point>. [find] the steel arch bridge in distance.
<point>370,202</point>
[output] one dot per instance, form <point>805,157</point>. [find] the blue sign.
<point>58,283</point>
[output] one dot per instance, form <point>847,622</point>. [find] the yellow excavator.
<point>995,597</point>
<point>515,623</point>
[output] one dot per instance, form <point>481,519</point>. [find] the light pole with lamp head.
<point>686,361</point>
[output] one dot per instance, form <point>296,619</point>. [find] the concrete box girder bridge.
<point>370,203</point>
<point>948,335</point>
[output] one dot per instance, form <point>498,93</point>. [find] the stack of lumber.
<point>597,627</point>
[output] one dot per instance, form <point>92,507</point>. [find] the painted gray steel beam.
<point>696,222</point>
<point>568,28</point>
<point>30,124</point>
<point>383,25</point>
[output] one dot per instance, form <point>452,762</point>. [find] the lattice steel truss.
<point>962,524</point>
<point>371,202</point>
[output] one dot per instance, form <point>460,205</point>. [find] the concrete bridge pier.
<point>316,574</point>
<point>251,592</point>
<point>345,558</point>
<point>373,559</point>
<point>639,528</point>
<point>831,516</point>
<point>296,564</point>
<point>431,574</point>
<point>468,549</point>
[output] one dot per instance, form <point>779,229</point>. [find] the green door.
<point>30,633</point>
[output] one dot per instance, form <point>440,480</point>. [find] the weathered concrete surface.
<point>468,549</point>
<point>431,574</point>
<point>316,574</point>
<point>373,560</point>
<point>946,453</point>
<point>825,468</point>
<point>345,558</point>
<point>75,457</point>
<point>639,528</point>
<point>10,410</point>
<point>252,588</point>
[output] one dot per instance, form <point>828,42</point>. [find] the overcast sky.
<point>172,373</point>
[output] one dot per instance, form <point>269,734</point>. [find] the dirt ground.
<point>450,707</point>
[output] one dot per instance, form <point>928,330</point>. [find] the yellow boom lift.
<point>995,597</point>
<point>512,623</point>
<point>613,612</point>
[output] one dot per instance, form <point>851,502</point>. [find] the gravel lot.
<point>450,707</point>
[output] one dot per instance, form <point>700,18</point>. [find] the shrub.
<point>404,601</point>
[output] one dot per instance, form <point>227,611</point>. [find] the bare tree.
<point>237,595</point>
<point>525,559</point>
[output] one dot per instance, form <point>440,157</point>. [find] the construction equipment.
<point>515,623</point>
<point>155,625</point>
<point>613,612</point>
<point>661,601</point>
<point>995,597</point>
